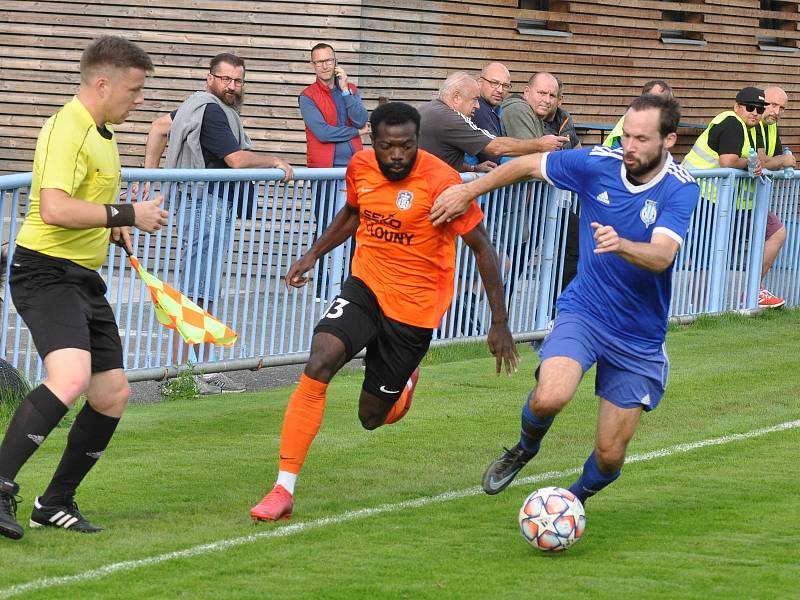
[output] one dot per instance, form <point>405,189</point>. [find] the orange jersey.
<point>407,262</point>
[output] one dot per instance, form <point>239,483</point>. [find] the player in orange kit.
<point>401,284</point>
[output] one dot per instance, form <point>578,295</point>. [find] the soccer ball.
<point>552,519</point>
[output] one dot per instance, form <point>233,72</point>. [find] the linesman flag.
<point>176,311</point>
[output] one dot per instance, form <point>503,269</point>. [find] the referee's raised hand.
<point>149,216</point>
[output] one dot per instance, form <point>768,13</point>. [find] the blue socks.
<point>592,479</point>
<point>533,429</point>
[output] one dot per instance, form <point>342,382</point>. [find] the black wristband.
<point>120,215</point>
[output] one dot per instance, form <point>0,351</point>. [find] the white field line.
<point>296,528</point>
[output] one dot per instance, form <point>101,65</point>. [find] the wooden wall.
<point>401,50</point>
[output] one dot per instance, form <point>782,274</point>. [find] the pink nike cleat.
<point>400,408</point>
<point>275,506</point>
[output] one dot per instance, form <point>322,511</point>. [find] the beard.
<point>238,100</point>
<point>235,103</point>
<point>644,167</point>
<point>397,175</point>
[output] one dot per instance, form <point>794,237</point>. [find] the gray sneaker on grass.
<point>222,384</point>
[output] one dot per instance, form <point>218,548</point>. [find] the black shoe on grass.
<point>8,509</point>
<point>501,472</point>
<point>66,516</point>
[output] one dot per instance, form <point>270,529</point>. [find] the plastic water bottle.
<point>752,161</point>
<point>788,171</point>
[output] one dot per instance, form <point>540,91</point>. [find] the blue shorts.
<point>626,376</point>
<point>203,254</point>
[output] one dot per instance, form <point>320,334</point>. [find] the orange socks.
<point>301,423</point>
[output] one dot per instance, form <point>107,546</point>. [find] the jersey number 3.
<point>337,309</point>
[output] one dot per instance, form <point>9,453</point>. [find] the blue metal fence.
<point>717,269</point>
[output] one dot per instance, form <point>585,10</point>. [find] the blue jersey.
<point>631,302</point>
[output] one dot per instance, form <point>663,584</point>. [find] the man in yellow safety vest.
<point>726,143</point>
<point>659,87</point>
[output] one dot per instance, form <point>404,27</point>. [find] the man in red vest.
<point>333,113</point>
<point>335,119</point>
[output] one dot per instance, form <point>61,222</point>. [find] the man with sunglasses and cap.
<point>726,143</point>
<point>727,140</point>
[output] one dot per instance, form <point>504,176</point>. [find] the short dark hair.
<point>394,113</point>
<point>320,46</point>
<point>114,51</point>
<point>225,57</point>
<point>669,108</point>
<point>648,87</point>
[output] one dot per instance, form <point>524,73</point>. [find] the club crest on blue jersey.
<point>404,199</point>
<point>649,212</point>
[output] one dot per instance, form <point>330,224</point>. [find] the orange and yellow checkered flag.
<point>176,311</point>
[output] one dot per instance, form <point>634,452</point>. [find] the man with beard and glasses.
<point>636,203</point>
<point>206,132</point>
<point>400,285</point>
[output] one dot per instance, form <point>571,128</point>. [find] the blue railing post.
<point>544,308</point>
<point>720,241</point>
<point>337,256</point>
<point>757,240</point>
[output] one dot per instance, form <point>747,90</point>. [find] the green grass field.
<point>716,521</point>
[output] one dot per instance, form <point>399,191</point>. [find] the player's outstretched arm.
<point>655,255</point>
<point>343,226</point>
<point>501,343</point>
<point>455,200</point>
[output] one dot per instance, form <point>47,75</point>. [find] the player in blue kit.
<point>636,202</point>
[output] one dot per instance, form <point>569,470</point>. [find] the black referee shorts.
<point>394,349</point>
<point>64,306</point>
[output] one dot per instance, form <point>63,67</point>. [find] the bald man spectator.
<point>494,84</point>
<point>523,116</point>
<point>769,138</point>
<point>559,121</point>
<point>659,87</point>
<point>448,132</point>
<point>526,117</point>
<point>776,101</point>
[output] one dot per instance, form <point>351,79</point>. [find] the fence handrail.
<point>526,222</point>
<point>16,180</point>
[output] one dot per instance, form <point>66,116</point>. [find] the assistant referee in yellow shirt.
<point>72,215</point>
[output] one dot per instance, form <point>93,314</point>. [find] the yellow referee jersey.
<point>72,155</point>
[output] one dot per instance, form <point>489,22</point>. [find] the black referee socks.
<point>35,418</point>
<point>88,438</point>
